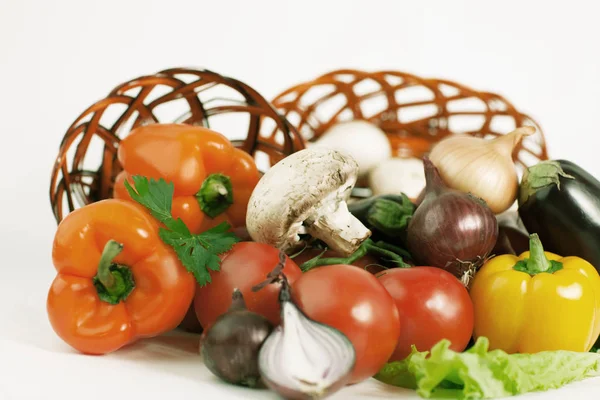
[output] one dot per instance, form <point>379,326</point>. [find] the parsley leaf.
<point>198,253</point>
<point>156,196</point>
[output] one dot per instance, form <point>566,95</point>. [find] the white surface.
<point>58,57</point>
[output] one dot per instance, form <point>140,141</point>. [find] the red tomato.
<point>433,305</point>
<point>354,301</point>
<point>368,262</point>
<point>190,322</point>
<point>244,266</point>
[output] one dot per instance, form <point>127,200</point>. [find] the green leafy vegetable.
<point>481,374</point>
<point>391,217</point>
<point>198,253</point>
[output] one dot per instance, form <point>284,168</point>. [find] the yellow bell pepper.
<point>538,301</point>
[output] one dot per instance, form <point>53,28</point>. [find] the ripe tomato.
<point>368,262</point>
<point>433,305</point>
<point>244,266</point>
<point>355,302</point>
<point>190,322</point>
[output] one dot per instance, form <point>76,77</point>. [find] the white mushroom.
<point>398,175</point>
<point>362,140</point>
<point>306,193</point>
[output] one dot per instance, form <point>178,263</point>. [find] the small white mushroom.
<point>362,140</point>
<point>306,193</point>
<point>398,175</point>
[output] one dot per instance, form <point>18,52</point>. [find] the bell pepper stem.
<point>537,262</point>
<point>104,275</point>
<point>367,247</point>
<point>215,195</point>
<point>113,282</point>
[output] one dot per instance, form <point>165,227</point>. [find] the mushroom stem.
<point>337,227</point>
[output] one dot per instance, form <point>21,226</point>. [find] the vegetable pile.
<point>431,283</point>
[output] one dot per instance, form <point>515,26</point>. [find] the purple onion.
<point>451,229</point>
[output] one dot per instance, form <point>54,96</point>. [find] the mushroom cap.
<point>364,141</point>
<point>293,189</point>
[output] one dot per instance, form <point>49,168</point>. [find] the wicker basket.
<point>87,163</point>
<point>414,112</point>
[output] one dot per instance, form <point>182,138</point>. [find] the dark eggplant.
<point>513,238</point>
<point>231,346</point>
<point>560,201</point>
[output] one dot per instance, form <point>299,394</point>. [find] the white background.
<point>58,57</point>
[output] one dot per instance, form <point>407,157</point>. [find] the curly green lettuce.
<point>481,374</point>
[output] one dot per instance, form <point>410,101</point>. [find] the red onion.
<point>451,229</point>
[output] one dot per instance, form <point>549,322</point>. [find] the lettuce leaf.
<point>481,374</point>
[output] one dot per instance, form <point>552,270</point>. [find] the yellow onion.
<point>480,166</point>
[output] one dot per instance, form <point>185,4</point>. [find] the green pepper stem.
<point>537,262</point>
<point>215,195</point>
<point>104,275</point>
<point>367,247</point>
<point>113,282</point>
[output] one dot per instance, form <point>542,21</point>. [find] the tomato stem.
<point>113,282</point>
<point>215,195</point>
<point>383,250</point>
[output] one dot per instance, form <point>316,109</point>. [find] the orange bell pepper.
<point>213,180</point>
<point>117,281</point>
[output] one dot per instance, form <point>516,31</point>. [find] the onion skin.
<point>295,394</point>
<point>481,166</point>
<point>299,326</point>
<point>450,229</point>
<point>230,347</point>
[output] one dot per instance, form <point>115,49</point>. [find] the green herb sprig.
<point>199,253</point>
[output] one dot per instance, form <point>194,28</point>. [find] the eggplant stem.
<point>539,176</point>
<point>387,252</point>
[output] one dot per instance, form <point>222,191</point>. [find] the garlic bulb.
<point>482,167</point>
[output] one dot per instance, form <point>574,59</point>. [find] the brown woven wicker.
<point>87,164</point>
<point>414,112</point>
